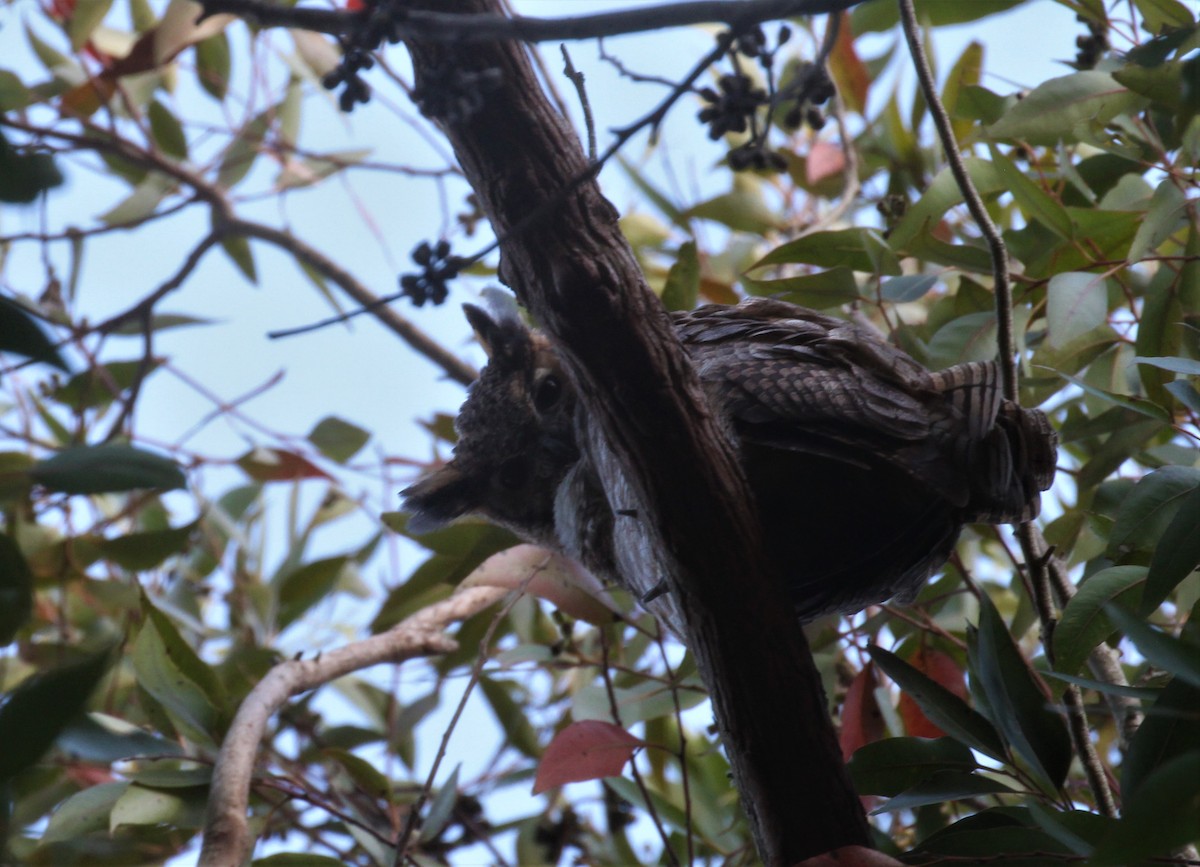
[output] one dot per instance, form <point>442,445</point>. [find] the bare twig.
<point>577,80</point>
<point>1033,545</point>
<point>430,26</point>
<point>226,836</point>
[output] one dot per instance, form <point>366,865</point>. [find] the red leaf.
<point>939,667</point>
<point>862,722</point>
<point>586,750</point>
<point>850,74</point>
<point>276,465</point>
<point>824,160</point>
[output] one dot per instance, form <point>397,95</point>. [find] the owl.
<point>864,465</point>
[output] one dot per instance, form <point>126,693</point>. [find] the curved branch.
<point>429,26</point>
<point>226,835</point>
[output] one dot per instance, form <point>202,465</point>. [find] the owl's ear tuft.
<point>504,337</point>
<point>438,499</point>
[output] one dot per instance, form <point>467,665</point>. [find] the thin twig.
<point>410,823</point>
<point>576,78</point>
<point>1033,546</point>
<point>615,708</point>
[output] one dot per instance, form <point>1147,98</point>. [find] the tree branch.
<point>433,26</point>
<point>226,836</point>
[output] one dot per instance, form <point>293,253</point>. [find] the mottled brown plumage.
<point>865,465</point>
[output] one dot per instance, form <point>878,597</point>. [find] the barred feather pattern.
<point>865,465</point>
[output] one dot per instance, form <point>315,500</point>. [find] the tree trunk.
<point>575,272</point>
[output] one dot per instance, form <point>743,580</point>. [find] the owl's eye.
<point>546,392</point>
<point>514,473</point>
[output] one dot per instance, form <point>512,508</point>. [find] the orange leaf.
<point>276,465</point>
<point>850,74</point>
<point>939,667</point>
<point>862,722</point>
<point>586,750</point>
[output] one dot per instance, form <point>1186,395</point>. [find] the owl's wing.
<point>799,380</point>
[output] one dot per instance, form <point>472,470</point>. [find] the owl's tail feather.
<point>1010,451</point>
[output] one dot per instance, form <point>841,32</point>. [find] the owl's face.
<point>516,438</point>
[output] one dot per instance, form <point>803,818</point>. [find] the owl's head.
<point>516,437</point>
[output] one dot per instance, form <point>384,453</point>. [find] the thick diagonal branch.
<point>577,274</point>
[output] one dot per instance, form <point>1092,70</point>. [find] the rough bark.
<point>573,269</point>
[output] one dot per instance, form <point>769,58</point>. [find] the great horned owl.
<point>864,464</point>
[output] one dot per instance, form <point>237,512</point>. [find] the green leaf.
<point>140,805</point>
<point>142,202</point>
<point>967,338</point>
<point>683,280</point>
<point>1148,510</point>
<point>1070,108</point>
<point>1076,303</point>
<point>908,287</point>
<point>942,786</point>
<point>139,551</point>
<point>21,334</point>
<point>1163,815</point>
<point>297,859</point>
<point>1132,402</point>
<point>84,812</point>
<point>1167,214</point>
<point>13,92</point>
<point>943,708</point>
<point>1163,15</point>
<point>1178,656</point>
<point>965,73</point>
<point>1034,202</point>
<point>42,706</point>
<point>892,765</point>
<point>1018,707</point>
<point>103,739</point>
<point>820,291</point>
<point>1176,555</point>
<point>98,386</point>
<point>301,589</point>
<point>941,195</point>
<point>338,439</point>
<point>167,131</point>
<point>665,206</point>
<point>213,65</point>
<point>441,808</point>
<point>1187,366</point>
<point>1084,624</point>
<point>239,156</point>
<point>169,670</point>
<point>858,249</point>
<point>881,15</point>
<point>86,16</point>
<point>16,589</point>
<point>237,248</point>
<point>518,732</point>
<point>743,209</point>
<point>107,469</point>
<point>1171,729</point>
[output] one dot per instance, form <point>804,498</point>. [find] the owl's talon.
<point>654,592</point>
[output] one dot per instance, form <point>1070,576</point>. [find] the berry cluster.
<point>737,103</point>
<point>381,23</point>
<point>1092,46</point>
<point>732,108</point>
<point>811,88</point>
<point>452,94</point>
<point>437,268</point>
